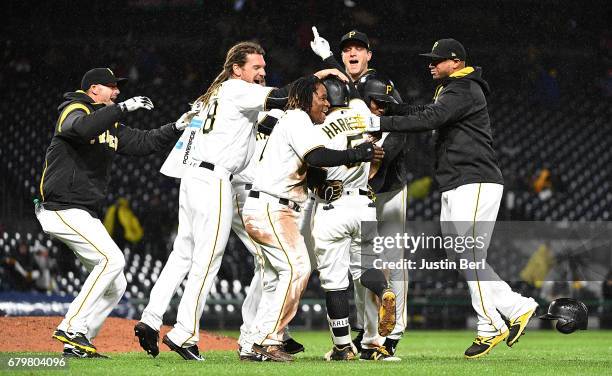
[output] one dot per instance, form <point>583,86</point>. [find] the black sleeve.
<point>142,142</point>
<point>267,124</point>
<point>450,106</point>
<point>404,109</point>
<point>82,127</point>
<point>277,98</point>
<point>331,63</point>
<point>324,157</point>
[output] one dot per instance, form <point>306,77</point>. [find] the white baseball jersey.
<point>281,172</point>
<point>339,130</point>
<point>228,133</point>
<point>248,174</point>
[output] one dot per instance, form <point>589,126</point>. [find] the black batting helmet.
<point>571,315</point>
<point>378,87</point>
<point>337,92</point>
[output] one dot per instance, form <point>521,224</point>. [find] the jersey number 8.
<point>211,112</point>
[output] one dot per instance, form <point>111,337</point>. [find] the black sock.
<point>338,317</point>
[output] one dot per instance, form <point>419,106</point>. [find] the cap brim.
<point>433,56</point>
<point>384,98</point>
<point>548,316</point>
<point>359,41</point>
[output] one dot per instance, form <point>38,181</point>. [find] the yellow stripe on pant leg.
<point>404,315</point>
<point>474,254</point>
<point>280,313</point>
<point>99,275</point>
<point>212,254</point>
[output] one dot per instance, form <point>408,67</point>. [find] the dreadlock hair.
<point>300,93</point>
<point>236,55</point>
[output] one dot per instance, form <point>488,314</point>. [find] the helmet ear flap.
<point>566,326</point>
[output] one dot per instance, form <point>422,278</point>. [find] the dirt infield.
<point>29,333</point>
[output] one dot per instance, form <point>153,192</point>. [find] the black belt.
<point>282,201</point>
<point>248,187</point>
<point>211,167</point>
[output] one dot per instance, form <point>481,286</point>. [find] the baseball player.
<point>388,181</point>
<point>339,236</point>
<point>390,207</point>
<point>222,147</point>
<point>272,210</point>
<point>87,135</point>
<point>263,274</point>
<point>470,181</point>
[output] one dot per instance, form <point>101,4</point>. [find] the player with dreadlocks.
<point>273,209</point>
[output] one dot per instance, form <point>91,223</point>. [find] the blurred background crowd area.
<point>549,64</point>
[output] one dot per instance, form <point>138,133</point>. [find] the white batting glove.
<point>185,119</point>
<point>135,103</point>
<point>320,46</point>
<point>373,124</point>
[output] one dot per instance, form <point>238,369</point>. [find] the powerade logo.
<point>196,122</point>
<point>188,148</point>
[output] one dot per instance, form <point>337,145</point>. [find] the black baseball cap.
<point>102,76</point>
<point>446,49</point>
<point>355,36</point>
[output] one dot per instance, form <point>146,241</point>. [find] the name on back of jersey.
<point>343,124</point>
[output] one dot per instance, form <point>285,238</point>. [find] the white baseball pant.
<point>338,237</point>
<point>476,206</point>
<point>306,218</point>
<point>205,220</point>
<point>276,228</point>
<point>391,214</point>
<point>254,292</point>
<point>92,244</point>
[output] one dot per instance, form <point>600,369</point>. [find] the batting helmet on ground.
<point>571,315</point>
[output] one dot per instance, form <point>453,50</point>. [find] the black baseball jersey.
<point>79,159</point>
<point>464,145</point>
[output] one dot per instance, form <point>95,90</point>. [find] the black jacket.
<point>464,146</point>
<point>79,159</point>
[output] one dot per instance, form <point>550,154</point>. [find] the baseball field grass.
<point>422,352</point>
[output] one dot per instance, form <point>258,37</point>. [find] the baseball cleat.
<point>77,340</point>
<point>482,345</point>
<point>148,338</point>
<point>273,353</point>
<point>73,352</point>
<point>292,346</point>
<point>386,313</point>
<point>249,356</point>
<point>187,353</point>
<point>346,352</point>
<point>390,345</point>
<point>378,354</point>
<point>518,325</point>
<point>357,340</point>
